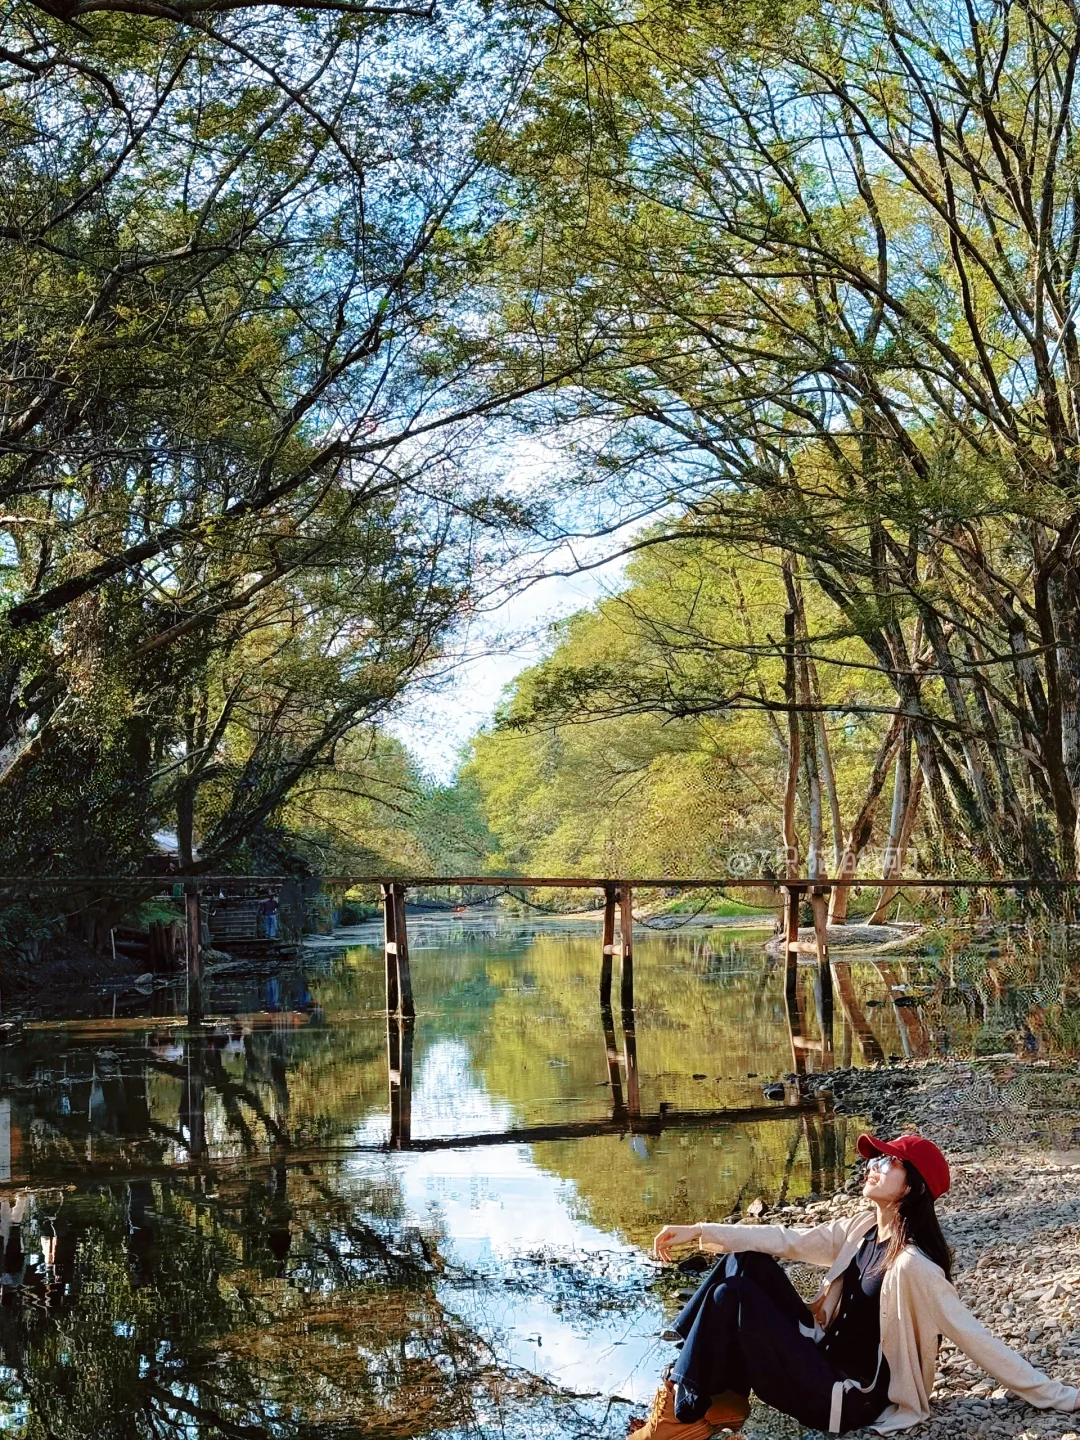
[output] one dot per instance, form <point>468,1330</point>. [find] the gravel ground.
<point>1011,1133</point>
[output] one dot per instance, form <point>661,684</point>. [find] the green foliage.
<point>643,744</point>
<point>24,929</point>
<point>245,382</point>
<point>451,827</point>
<point>352,912</point>
<point>807,324</point>
<point>992,1040</point>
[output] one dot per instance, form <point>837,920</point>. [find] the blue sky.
<point>437,721</point>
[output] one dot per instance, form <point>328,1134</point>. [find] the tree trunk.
<point>864,822</point>
<point>828,774</point>
<point>821,738</point>
<point>185,828</point>
<point>185,805</point>
<point>808,730</point>
<point>814,867</point>
<point>1049,598</point>
<point>1064,595</point>
<point>791,834</point>
<point>899,838</point>
<point>982,800</point>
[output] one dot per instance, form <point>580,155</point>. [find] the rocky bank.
<point>1012,1135</point>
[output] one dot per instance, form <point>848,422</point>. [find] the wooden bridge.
<point>617,939</point>
<point>831,982</point>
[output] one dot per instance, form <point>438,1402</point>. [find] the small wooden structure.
<point>232,919</point>
<point>235,923</point>
<point>161,947</point>
<point>794,893</point>
<point>235,919</point>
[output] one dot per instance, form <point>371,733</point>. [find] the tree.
<point>653,739</point>
<point>247,405</point>
<point>826,260</point>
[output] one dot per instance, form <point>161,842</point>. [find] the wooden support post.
<point>390,918</point>
<point>404,973</point>
<point>405,1088</point>
<point>399,1058</point>
<point>819,901</point>
<point>618,1104</point>
<point>393,1063</point>
<point>626,946</point>
<point>399,996</point>
<point>633,1080</point>
<point>194,1117</point>
<point>792,898</point>
<point>609,947</point>
<point>194,965</point>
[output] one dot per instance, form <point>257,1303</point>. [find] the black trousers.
<point>741,1333</point>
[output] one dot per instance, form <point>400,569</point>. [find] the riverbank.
<point>1012,1135</point>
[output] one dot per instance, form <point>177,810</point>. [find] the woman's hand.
<point>675,1237</point>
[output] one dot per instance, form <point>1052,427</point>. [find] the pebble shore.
<point>1012,1216</point>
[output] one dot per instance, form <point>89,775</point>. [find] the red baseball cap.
<point>923,1154</point>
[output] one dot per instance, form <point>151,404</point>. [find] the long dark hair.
<point>916,1223</point>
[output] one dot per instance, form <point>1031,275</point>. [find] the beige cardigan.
<point>918,1305</point>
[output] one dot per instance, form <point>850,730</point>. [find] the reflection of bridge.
<point>211,1101</point>
<point>626,1117</point>
<point>831,980</point>
<point>822,1132</point>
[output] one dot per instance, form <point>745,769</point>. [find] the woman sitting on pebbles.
<point>863,1351</point>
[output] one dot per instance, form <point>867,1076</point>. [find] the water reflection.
<point>310,1218</point>
<point>399,1066</point>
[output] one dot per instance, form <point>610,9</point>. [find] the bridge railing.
<point>617,926</point>
<point>808,1051</point>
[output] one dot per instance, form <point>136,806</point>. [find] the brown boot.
<point>662,1425</point>
<point>728,1411</point>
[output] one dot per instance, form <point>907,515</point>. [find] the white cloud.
<point>493,1205</point>
<point>435,724</point>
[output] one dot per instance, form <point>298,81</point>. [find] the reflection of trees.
<point>240,1300</point>
<point>238,1335</point>
<point>698,1011</point>
<point>281,1079</point>
<point>213,1304</point>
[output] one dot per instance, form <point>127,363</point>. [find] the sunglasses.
<point>881,1163</point>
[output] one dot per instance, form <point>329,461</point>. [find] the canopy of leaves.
<point>652,740</point>
<point>248,407</point>
<point>825,260</point>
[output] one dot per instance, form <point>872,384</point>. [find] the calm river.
<point>244,1235</point>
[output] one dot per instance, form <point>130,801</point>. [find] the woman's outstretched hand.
<point>674,1237</point>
